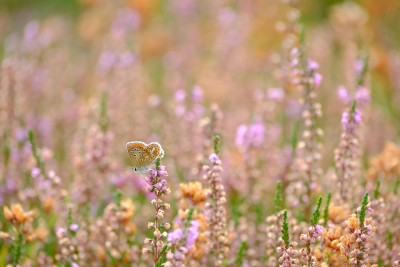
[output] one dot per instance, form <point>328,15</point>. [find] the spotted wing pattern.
<point>143,155</point>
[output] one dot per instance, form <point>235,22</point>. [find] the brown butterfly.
<point>144,155</point>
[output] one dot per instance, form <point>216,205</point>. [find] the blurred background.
<point>65,57</point>
<point>88,76</point>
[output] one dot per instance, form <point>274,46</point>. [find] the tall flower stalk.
<point>347,154</point>
<point>216,211</point>
<point>355,246</point>
<point>288,252</point>
<point>158,185</point>
<point>306,77</point>
<point>314,232</point>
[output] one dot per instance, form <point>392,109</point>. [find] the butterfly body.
<point>143,155</point>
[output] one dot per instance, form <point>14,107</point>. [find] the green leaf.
<point>363,209</point>
<point>376,190</point>
<point>16,249</point>
<point>316,214</point>
<point>103,119</point>
<point>158,163</point>
<point>217,139</point>
<point>278,198</point>
<point>240,254</point>
<point>285,230</point>
<point>117,197</point>
<point>164,249</point>
<point>326,210</point>
<point>35,152</point>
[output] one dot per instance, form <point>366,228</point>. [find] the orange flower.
<point>16,214</point>
<point>127,210</point>
<point>194,192</point>
<point>386,164</point>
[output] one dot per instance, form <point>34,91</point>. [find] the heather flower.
<point>192,234</point>
<point>343,95</point>
<point>180,96</point>
<point>312,65</point>
<point>157,185</point>
<point>74,227</point>
<point>241,135</point>
<point>197,94</point>
<point>130,69</point>
<point>305,172</point>
<point>175,235</point>
<point>126,20</point>
<point>317,78</point>
<point>275,94</point>
<point>216,213</point>
<point>250,135</point>
<point>362,96</point>
<point>351,119</point>
<point>107,60</point>
<point>288,252</point>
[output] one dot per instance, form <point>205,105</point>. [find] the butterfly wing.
<point>155,151</point>
<point>135,150</point>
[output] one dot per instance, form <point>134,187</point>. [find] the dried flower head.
<point>385,165</point>
<point>16,214</point>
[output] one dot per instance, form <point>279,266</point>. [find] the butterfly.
<point>144,155</point>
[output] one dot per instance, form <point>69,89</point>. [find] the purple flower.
<point>357,116</point>
<point>21,134</point>
<point>213,158</point>
<point>107,60</point>
<point>175,235</point>
<point>358,65</point>
<point>347,117</point>
<point>252,135</point>
<point>294,51</point>
<point>60,232</point>
<point>317,78</point>
<point>126,59</point>
<point>159,186</point>
<point>35,172</point>
<point>226,16</point>
<point>118,180</point>
<point>275,94</point>
<point>126,20</point>
<point>343,94</point>
<point>312,65</point>
<point>294,62</point>
<point>74,227</point>
<point>184,8</point>
<point>152,174</point>
<point>319,229</point>
<point>31,31</point>
<point>74,264</point>
<point>256,133</point>
<point>362,95</point>
<point>180,95</point>
<point>162,171</point>
<point>240,135</point>
<point>197,94</point>
<point>192,234</point>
